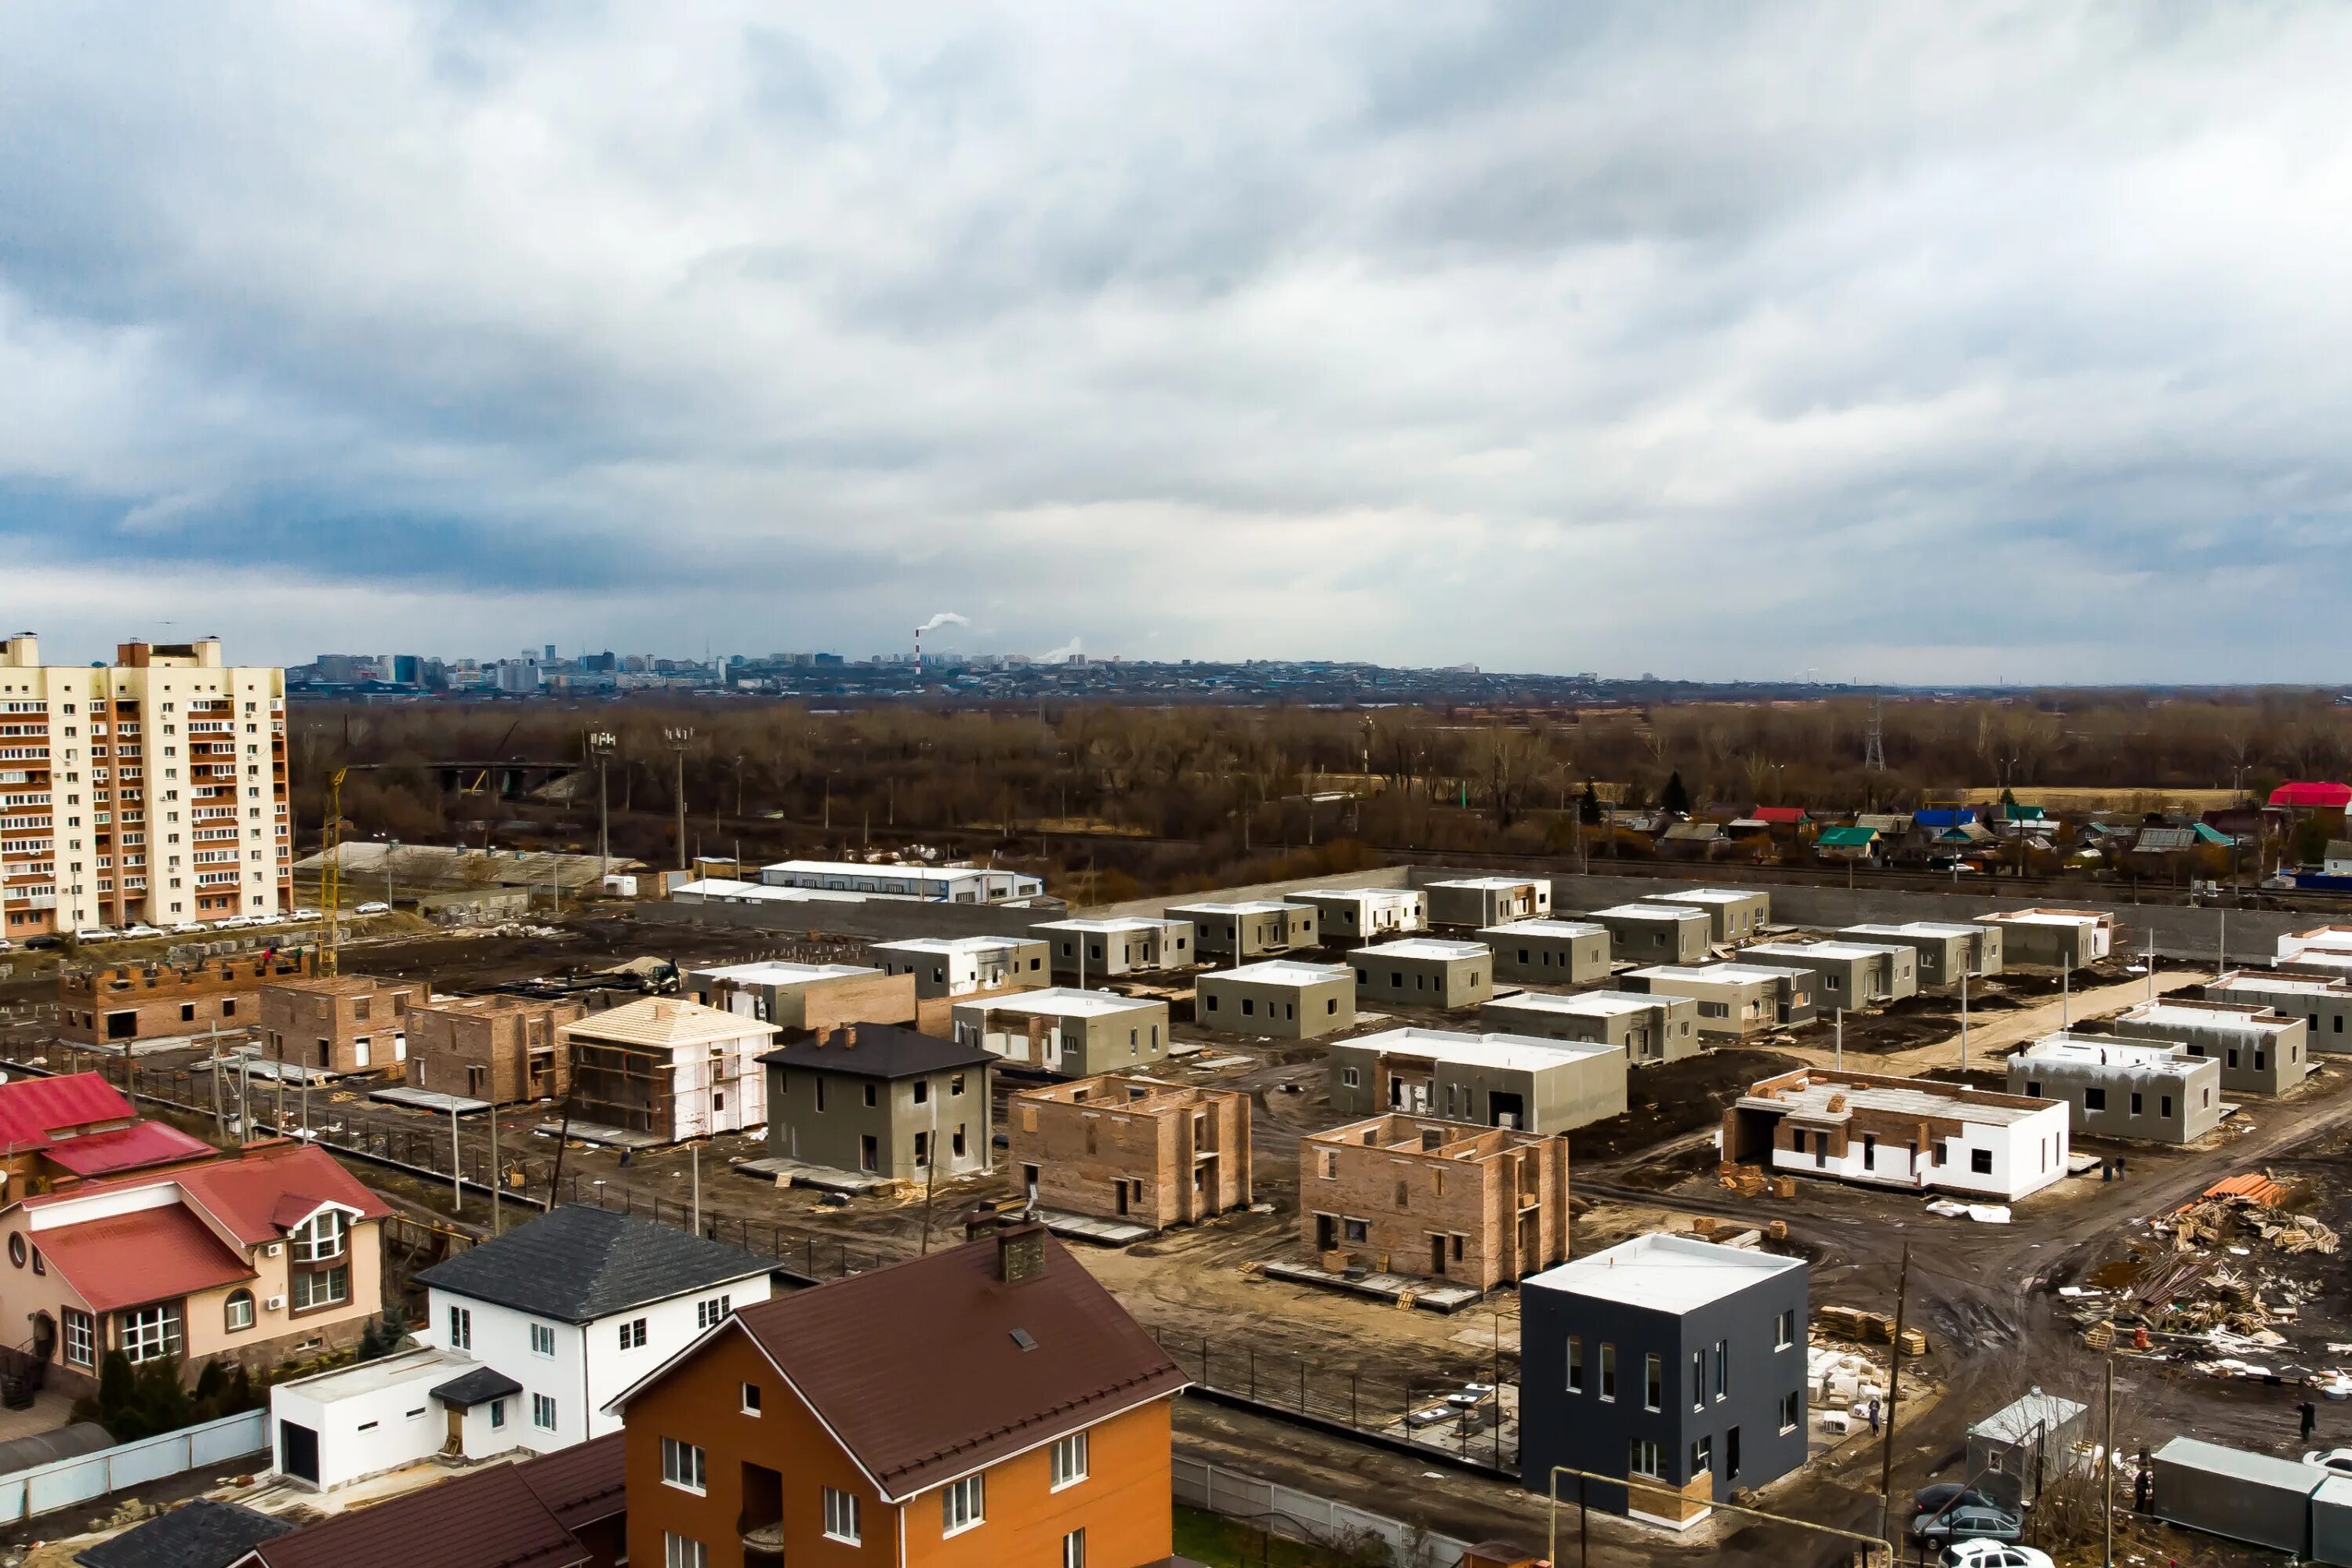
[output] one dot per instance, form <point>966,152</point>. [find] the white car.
<point>2337,1459</point>
<point>94,933</point>
<point>141,927</point>
<point>303,915</point>
<point>373,907</point>
<point>190,928</point>
<point>1994,1554</point>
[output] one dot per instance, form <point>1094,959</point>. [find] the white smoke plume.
<point>944,618</point>
<point>1068,650</point>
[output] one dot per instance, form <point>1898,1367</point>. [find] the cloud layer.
<point>1893,344</point>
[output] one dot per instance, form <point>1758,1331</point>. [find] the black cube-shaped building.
<point>1668,1358</point>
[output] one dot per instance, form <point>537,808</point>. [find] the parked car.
<point>190,928</point>
<point>95,934</point>
<point>1948,1494</point>
<point>304,915</point>
<point>47,939</point>
<point>141,928</point>
<point>1968,1522</point>
<point>1994,1554</point>
<point>5,945</point>
<point>373,907</point>
<point>2337,1459</point>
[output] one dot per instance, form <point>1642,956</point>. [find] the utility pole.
<point>678,740</point>
<point>2151,963</point>
<point>602,743</point>
<point>1964,1015</point>
<point>2066,995</point>
<point>2222,950</point>
<point>694,1161</point>
<point>497,1177</point>
<point>2108,1467</point>
<point>1840,1039</point>
<point>1894,1382</point>
<point>456,1164</point>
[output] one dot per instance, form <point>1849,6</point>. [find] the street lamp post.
<point>601,743</point>
<point>678,740</point>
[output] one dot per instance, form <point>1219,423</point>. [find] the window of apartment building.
<point>1698,1380</point>
<point>1701,1456</point>
<point>81,1337</point>
<point>1784,1331</point>
<point>150,1333</point>
<point>683,1464</point>
<point>1074,1549</point>
<point>543,1412</point>
<point>713,1312</point>
<point>1653,1382</point>
<point>1789,1412</point>
<point>1643,1457</point>
<point>542,1340</point>
<point>749,1405</point>
<point>1576,1363</point>
<point>841,1520</point>
<point>1608,1371</point>
<point>1069,1460</point>
<point>461,1329</point>
<point>962,1505</point>
<point>677,1551</point>
<point>633,1334</point>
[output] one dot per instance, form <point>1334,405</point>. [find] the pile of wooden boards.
<point>1868,1327</point>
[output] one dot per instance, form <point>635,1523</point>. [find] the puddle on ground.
<point>2116,1276</point>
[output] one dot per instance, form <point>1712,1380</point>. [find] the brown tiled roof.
<point>485,1519</point>
<point>583,1483</point>
<point>916,1369</point>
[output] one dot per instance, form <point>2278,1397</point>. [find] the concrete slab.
<point>1218,1063</point>
<point>1429,1294</point>
<point>821,1178</point>
<point>428,1100</point>
<point>609,1137</point>
<point>1088,1227</point>
<point>260,1066</point>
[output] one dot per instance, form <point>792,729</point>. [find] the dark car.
<point>47,939</point>
<point>1968,1522</point>
<point>1948,1494</point>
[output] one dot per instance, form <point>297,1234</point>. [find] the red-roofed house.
<point>273,1254</point>
<point>80,1126</point>
<point>2312,797</point>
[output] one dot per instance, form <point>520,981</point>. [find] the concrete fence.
<point>62,1483</point>
<point>1286,1510</point>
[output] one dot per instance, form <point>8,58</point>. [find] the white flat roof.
<point>1846,949</point>
<point>1703,896</point>
<point>1286,972</point>
<point>1924,1097</point>
<point>1111,927</point>
<point>952,945</point>
<point>777,971</point>
<point>1665,1273</point>
<point>1946,929</point>
<point>2294,985</point>
<point>2100,1050</point>
<point>1547,928</point>
<point>2326,938</point>
<point>882,868</point>
<point>1516,1053</point>
<point>1651,912</point>
<point>1588,1004</point>
<point>729,887</point>
<point>1378,895</point>
<point>2251,1016</point>
<point>1712,974</point>
<point>1063,1002</point>
<point>1247,906</point>
<point>1487,884</point>
<point>430,1363</point>
<point>1427,947</point>
<point>2051,918</point>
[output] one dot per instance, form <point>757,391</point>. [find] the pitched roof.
<point>581,1263</point>
<point>2330,796</point>
<point>132,1148</point>
<point>199,1534</point>
<point>1694,832</point>
<point>479,1386</point>
<point>490,1518</point>
<point>667,1021</point>
<point>977,1393</point>
<point>1847,838</point>
<point>125,1259</point>
<point>583,1483</point>
<point>272,1187</point>
<point>880,1050</point>
<point>1780,816</point>
<point>31,1109</point>
<point>2162,840</point>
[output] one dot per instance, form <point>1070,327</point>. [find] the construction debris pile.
<point>1750,1181</point>
<point>2209,1286</point>
<point>1842,1383</point>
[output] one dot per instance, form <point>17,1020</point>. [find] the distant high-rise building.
<point>151,789</point>
<point>550,656</point>
<point>518,676</point>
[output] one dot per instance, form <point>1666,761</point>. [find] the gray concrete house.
<point>1250,927</point>
<point>1734,914</point>
<point>1657,933</point>
<point>966,965</point>
<point>1065,1032</point>
<point>1647,1028</point>
<point>2261,1052</point>
<point>1946,951</point>
<point>1469,903</point>
<point>1088,951</point>
<point>1498,1080</point>
<point>1735,1000</point>
<point>2053,939</point>
<point>2122,1088</point>
<point>2322,1004</point>
<point>1548,952</point>
<point>881,1100</point>
<point>1853,973</point>
<point>1354,915</point>
<point>1423,972</point>
<point>1667,1360</point>
<point>1278,996</point>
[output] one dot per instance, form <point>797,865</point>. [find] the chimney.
<point>1020,1253</point>
<point>849,1036</point>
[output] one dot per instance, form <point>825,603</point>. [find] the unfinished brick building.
<point>498,1048</point>
<point>338,1024</point>
<point>1133,1149</point>
<point>1411,1195</point>
<point>157,1001</point>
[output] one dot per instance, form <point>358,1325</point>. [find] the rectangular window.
<point>683,1464</point>
<point>150,1333</point>
<point>1698,1380</point>
<point>1789,1412</point>
<point>1654,1378</point>
<point>1722,1362</point>
<point>542,1340</point>
<point>1576,1363</point>
<point>81,1339</point>
<point>543,1412</point>
<point>1643,1458</point>
<point>1701,1456</point>
<point>841,1516</point>
<point>322,1287</point>
<point>2095,1099</point>
<point>711,1313</point>
<point>633,1334</point>
<point>677,1551</point>
<point>1608,1371</point>
<point>1073,1550</point>
<point>962,1506</point>
<point>461,1329</point>
<point>2134,1103</point>
<point>1980,1161</point>
<point>2164,1105</point>
<point>1784,1331</point>
<point>498,1414</point>
<point>1069,1460</point>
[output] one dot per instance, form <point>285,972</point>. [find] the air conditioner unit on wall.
<point>276,1303</point>
<point>271,1250</point>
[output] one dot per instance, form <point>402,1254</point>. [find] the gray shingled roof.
<point>883,1050</point>
<point>479,1386</point>
<point>579,1264</point>
<point>198,1534</point>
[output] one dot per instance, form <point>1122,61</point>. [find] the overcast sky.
<point>1925,344</point>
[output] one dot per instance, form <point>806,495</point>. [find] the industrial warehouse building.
<point>1277,996</point>
<point>2122,1088</point>
<point>1424,972</point>
<point>931,884</point>
<point>1496,1081</point>
<point>1647,1027</point>
<point>1548,952</point>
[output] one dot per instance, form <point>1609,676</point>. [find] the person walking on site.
<point>2310,1413</point>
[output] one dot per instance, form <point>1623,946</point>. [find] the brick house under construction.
<point>339,1024</point>
<point>498,1048</point>
<point>138,1002</point>
<point>1412,1195</point>
<point>1134,1149</point>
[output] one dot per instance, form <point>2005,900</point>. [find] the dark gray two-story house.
<point>1665,1358</point>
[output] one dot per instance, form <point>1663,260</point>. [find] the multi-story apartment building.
<point>150,790</point>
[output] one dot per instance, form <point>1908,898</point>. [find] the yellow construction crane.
<point>331,880</point>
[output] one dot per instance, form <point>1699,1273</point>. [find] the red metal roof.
<point>132,1148</point>
<point>31,1109</point>
<point>2327,796</point>
<point>149,1255</point>
<point>247,1194</point>
<point>1781,815</point>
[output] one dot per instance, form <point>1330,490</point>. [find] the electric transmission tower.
<point>1874,738</point>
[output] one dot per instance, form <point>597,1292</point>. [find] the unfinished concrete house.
<point>1134,1149</point>
<point>966,965</point>
<point>2321,1003</point>
<point>812,996</point>
<point>882,1101</point>
<point>2053,939</point>
<point>1921,1134</point>
<point>338,1024</point>
<point>1548,952</point>
<point>1249,927</point>
<point>2260,1051</point>
<point>148,1002</point>
<point>1067,1032</point>
<point>502,1049</point>
<point>1086,951</point>
<point>1423,972</point>
<point>1735,1000</point>
<point>1480,1206</point>
<point>1852,973</point>
<point>1946,951</point>
<point>1733,914</point>
<point>1282,997</point>
<point>668,1069</point>
<point>1648,1027</point>
<point>1468,903</point>
<point>1496,1080</point>
<point>1656,934</point>
<point>2133,1089</point>
<point>1352,915</point>
<point>2321,949</point>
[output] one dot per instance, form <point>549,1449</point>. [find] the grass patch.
<point>1217,1541</point>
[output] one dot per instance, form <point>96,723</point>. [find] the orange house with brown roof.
<point>984,1406</point>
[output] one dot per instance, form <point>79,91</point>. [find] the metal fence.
<point>62,1483</point>
<point>1302,1516</point>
